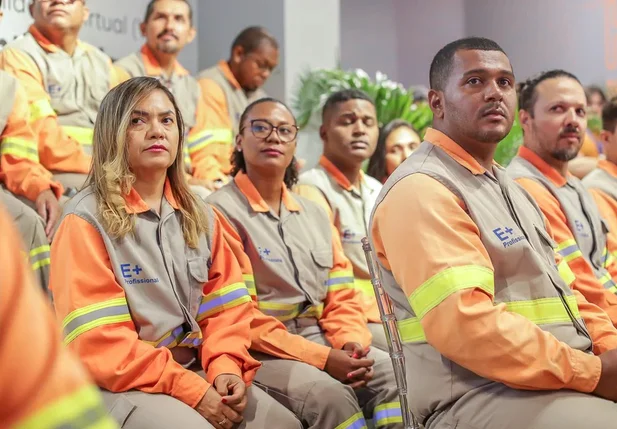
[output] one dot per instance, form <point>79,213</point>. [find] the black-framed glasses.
<point>262,130</point>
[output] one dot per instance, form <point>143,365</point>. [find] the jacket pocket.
<point>323,258</point>
<point>198,269</point>
<point>122,409</point>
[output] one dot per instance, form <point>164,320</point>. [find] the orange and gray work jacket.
<point>602,185</point>
<point>199,162</point>
<point>144,307</point>
<point>20,170</point>
<point>64,95</point>
<point>297,267</point>
<point>225,102</point>
<point>490,271</point>
<point>573,214</point>
<point>41,384</point>
<point>349,208</point>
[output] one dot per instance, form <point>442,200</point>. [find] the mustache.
<point>165,32</point>
<point>570,129</point>
<point>496,106</point>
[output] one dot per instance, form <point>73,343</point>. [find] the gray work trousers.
<point>322,402</point>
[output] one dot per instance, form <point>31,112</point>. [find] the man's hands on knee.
<point>607,386</point>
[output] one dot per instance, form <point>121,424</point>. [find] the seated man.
<point>168,28</point>
<point>553,117</point>
<point>24,183</point>
<point>53,389</point>
<point>158,313</point>
<point>495,336</point>
<point>349,133</point>
<point>65,80</point>
<point>297,273</point>
<point>230,86</point>
<point>602,182</point>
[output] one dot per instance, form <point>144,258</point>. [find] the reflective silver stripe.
<point>114,313</point>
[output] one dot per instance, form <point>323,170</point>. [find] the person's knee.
<point>329,395</point>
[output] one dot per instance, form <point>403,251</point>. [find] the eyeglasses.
<point>262,129</point>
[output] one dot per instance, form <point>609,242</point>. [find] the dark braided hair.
<point>237,158</point>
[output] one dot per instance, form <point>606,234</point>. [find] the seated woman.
<point>148,290</point>
<point>397,140</point>
<point>316,357</point>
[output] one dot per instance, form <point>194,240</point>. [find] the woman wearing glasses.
<point>309,330</point>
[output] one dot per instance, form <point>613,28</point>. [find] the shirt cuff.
<point>222,365</point>
<point>587,369</point>
<point>316,355</point>
<point>190,388</point>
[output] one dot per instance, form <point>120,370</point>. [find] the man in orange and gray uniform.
<point>349,133</point>
<point>24,183</point>
<point>230,86</point>
<point>168,28</point>
<point>65,80</point>
<point>602,182</point>
<point>494,334</point>
<point>53,389</point>
<point>553,117</point>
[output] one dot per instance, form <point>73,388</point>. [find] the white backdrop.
<point>113,26</point>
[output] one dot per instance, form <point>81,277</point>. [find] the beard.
<point>565,154</point>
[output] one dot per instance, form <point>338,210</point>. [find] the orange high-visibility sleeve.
<point>434,230</point>
<point>41,384</point>
<point>20,169</point>
<point>110,348</point>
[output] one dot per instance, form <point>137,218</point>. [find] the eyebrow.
<point>144,113</point>
<point>485,71</point>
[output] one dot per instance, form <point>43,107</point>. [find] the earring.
<point>239,149</point>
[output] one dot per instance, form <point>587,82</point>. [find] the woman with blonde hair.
<point>147,288</point>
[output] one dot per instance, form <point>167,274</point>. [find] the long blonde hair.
<point>110,177</point>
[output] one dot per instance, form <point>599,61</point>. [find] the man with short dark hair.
<point>65,80</point>
<point>349,132</point>
<point>554,120</point>
<point>168,28</point>
<point>494,336</point>
<point>602,182</point>
<point>230,86</point>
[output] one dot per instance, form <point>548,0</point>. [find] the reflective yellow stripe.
<point>569,250</point>
<point>565,272</point>
<point>608,257</point>
<point>339,280</point>
<point>411,330</point>
<point>354,422</point>
<point>249,281</point>
<point>79,410</point>
<point>284,311</point>
<point>545,310</point>
<point>84,319</point>
<point>443,284</point>
<point>227,297</point>
<point>19,148</point>
<point>202,139</point>
<point>386,414</point>
<point>608,283</point>
<point>41,263</point>
<point>41,249</point>
<point>364,286</point>
<point>539,311</point>
<point>82,134</point>
<point>41,109</point>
